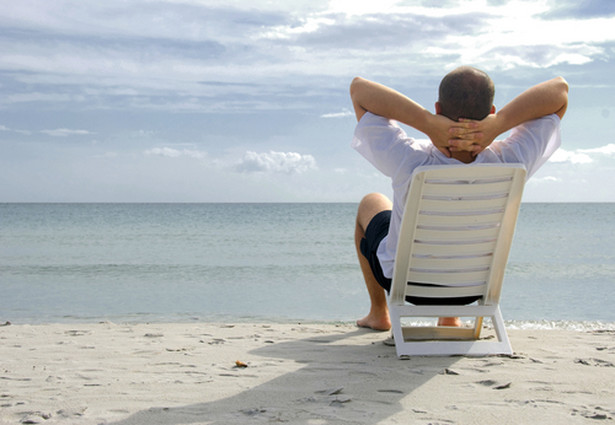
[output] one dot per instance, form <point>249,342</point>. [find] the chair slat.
<point>439,292</point>
<point>481,248</point>
<point>451,279</point>
<point>460,207</point>
<point>464,233</point>
<point>460,220</point>
<point>465,261</point>
<point>467,190</point>
<point>464,173</point>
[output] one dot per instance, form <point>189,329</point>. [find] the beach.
<point>295,373</point>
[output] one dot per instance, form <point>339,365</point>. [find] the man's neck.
<point>463,156</point>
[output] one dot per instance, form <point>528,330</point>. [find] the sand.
<point>246,373</point>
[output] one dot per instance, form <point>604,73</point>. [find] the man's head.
<point>466,92</point>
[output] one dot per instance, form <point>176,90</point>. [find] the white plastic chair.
<point>454,241</point>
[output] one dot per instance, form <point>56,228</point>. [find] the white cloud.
<point>583,156</point>
<point>107,155</point>
<point>7,129</point>
<point>342,114</point>
<point>276,162</point>
<point>61,54</point>
<point>603,150</point>
<point>176,153</point>
<point>547,179</point>
<point>360,7</point>
<point>63,132</point>
<point>573,157</point>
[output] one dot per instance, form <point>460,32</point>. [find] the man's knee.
<point>370,206</point>
<point>375,202</point>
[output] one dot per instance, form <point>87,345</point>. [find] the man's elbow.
<point>354,85</point>
<point>563,84</point>
<point>563,89</point>
<point>355,96</point>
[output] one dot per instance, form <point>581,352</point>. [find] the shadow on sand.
<point>343,378</point>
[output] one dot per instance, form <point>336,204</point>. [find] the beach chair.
<point>455,237</point>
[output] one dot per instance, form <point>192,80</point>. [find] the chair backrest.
<point>456,231</point>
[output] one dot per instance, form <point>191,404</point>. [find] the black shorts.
<point>376,230</point>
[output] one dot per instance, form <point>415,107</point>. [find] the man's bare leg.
<point>449,321</point>
<point>378,317</point>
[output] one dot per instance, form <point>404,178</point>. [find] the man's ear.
<point>492,109</point>
<point>438,108</point>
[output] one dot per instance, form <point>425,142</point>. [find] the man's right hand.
<point>476,136</point>
<point>452,136</point>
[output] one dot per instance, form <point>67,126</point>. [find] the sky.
<point>247,101</point>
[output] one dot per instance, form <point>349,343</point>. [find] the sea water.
<point>269,262</point>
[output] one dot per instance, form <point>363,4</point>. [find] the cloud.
<point>583,156</point>
<point>541,56</point>
<point>342,114</point>
<point>251,162</point>
<point>276,162</point>
<point>64,132</point>
<point>12,130</point>
<point>572,157</point>
<point>111,55</point>
<point>608,150</point>
<point>58,132</point>
<point>176,153</point>
<point>547,179</point>
<point>577,9</point>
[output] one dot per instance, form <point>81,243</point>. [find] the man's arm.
<point>381,100</point>
<point>550,97</point>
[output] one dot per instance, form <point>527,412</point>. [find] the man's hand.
<point>477,136</point>
<point>449,136</point>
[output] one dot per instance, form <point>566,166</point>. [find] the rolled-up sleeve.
<point>382,142</point>
<point>531,144</point>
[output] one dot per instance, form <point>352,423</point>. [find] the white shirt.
<point>383,143</point>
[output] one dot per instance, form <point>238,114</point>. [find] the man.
<point>463,130</point>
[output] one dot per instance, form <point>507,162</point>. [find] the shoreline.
<point>235,373</point>
<point>544,324</point>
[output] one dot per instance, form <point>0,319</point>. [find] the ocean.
<point>269,262</point>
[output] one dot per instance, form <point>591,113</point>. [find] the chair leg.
<point>478,325</point>
<point>448,341</point>
<point>500,330</point>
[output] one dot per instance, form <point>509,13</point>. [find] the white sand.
<point>296,374</point>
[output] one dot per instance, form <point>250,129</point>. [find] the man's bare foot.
<point>449,321</point>
<point>375,323</point>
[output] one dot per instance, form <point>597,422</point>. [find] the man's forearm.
<point>381,100</point>
<point>550,97</point>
